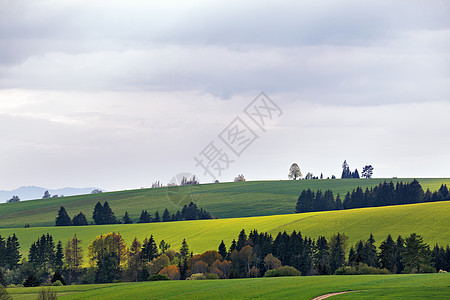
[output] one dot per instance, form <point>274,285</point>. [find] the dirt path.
<point>330,295</point>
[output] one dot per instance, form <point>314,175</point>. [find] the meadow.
<point>427,219</point>
<point>223,200</point>
<point>418,286</point>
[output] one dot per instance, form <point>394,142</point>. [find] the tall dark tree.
<point>63,218</point>
<point>79,220</point>
<point>126,219</point>
<point>223,250</point>
<point>242,240</point>
<point>149,249</point>
<point>321,256</point>
<point>417,255</point>
<point>370,252</point>
<point>346,173</point>
<point>12,252</point>
<point>59,257</point>
<point>337,252</point>
<point>355,174</point>
<point>145,217</point>
<point>184,250</point>
<point>166,216</point>
<point>387,254</point>
<point>98,215</point>
<point>157,218</point>
<point>109,216</point>
<point>399,250</point>
<point>46,195</point>
<point>2,252</point>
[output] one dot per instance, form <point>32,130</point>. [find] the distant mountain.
<point>36,192</point>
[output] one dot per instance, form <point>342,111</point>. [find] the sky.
<point>120,94</point>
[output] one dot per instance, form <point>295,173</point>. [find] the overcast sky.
<point>119,94</point>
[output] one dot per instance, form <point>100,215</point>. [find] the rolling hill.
<point>427,219</point>
<point>224,200</point>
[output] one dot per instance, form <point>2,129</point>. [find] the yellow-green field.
<point>224,200</point>
<point>431,220</point>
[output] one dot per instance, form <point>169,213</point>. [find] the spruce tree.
<point>149,249</point>
<point>157,218</point>
<point>166,216</point>
<point>242,240</point>
<point>63,218</point>
<point>223,250</point>
<point>98,215</point>
<point>2,252</point>
<point>337,252</point>
<point>387,254</point>
<point>109,216</point>
<point>12,251</point>
<point>126,219</point>
<point>371,252</point>
<point>184,250</point>
<point>59,257</point>
<point>145,217</point>
<point>79,220</point>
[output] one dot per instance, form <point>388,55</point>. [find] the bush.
<point>283,271</point>
<point>47,294</point>
<point>4,295</point>
<point>211,276</point>
<point>196,276</point>
<point>361,269</point>
<point>31,281</point>
<point>158,277</point>
<point>57,283</point>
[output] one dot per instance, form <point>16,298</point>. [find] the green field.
<point>224,200</point>
<point>436,286</point>
<point>427,219</point>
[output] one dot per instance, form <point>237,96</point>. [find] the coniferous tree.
<point>2,252</point>
<point>346,173</point>
<point>338,203</point>
<point>184,250</point>
<point>399,250</point>
<point>157,218</point>
<point>98,215</point>
<point>149,249</point>
<point>337,252</point>
<point>145,217</point>
<point>166,216</point>
<point>417,254</point>
<point>73,258</point>
<point>352,257</point>
<point>12,253</point>
<point>3,281</point>
<point>163,246</point>
<point>223,250</point>
<point>126,219</point>
<point>387,254</point>
<point>242,240</point>
<point>59,257</point>
<point>109,216</point>
<point>321,256</point>
<point>355,174</point>
<point>79,220</point>
<point>63,218</point>
<point>370,251</point>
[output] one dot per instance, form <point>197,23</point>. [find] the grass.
<point>224,200</point>
<point>366,286</point>
<point>427,219</point>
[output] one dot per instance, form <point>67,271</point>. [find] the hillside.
<point>427,219</point>
<point>224,200</point>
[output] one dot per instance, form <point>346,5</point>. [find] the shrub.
<point>31,281</point>
<point>47,294</point>
<point>158,277</point>
<point>283,271</point>
<point>4,295</point>
<point>361,269</point>
<point>197,276</point>
<point>57,283</point>
<point>211,276</point>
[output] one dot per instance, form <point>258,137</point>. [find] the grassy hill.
<point>224,200</point>
<point>427,219</point>
<point>434,286</point>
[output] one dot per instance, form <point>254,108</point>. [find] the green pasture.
<point>420,286</point>
<point>224,200</point>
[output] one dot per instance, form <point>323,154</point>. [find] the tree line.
<point>382,195</point>
<point>258,254</point>
<point>103,214</point>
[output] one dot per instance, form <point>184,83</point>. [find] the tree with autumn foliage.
<point>171,271</point>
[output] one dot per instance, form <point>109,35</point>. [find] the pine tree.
<point>417,254</point>
<point>149,249</point>
<point>79,220</point>
<point>399,250</point>
<point>166,216</point>
<point>223,250</point>
<point>135,259</point>
<point>63,218</point>
<point>145,217</point>
<point>126,219</point>
<point>98,214</point>
<point>59,256</point>
<point>387,254</point>
<point>73,258</point>
<point>338,203</point>
<point>157,217</point>
<point>321,255</point>
<point>12,253</point>
<point>370,252</point>
<point>184,250</point>
<point>337,252</point>
<point>346,170</point>
<point>2,252</point>
<point>163,246</point>
<point>242,240</point>
<point>109,216</point>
